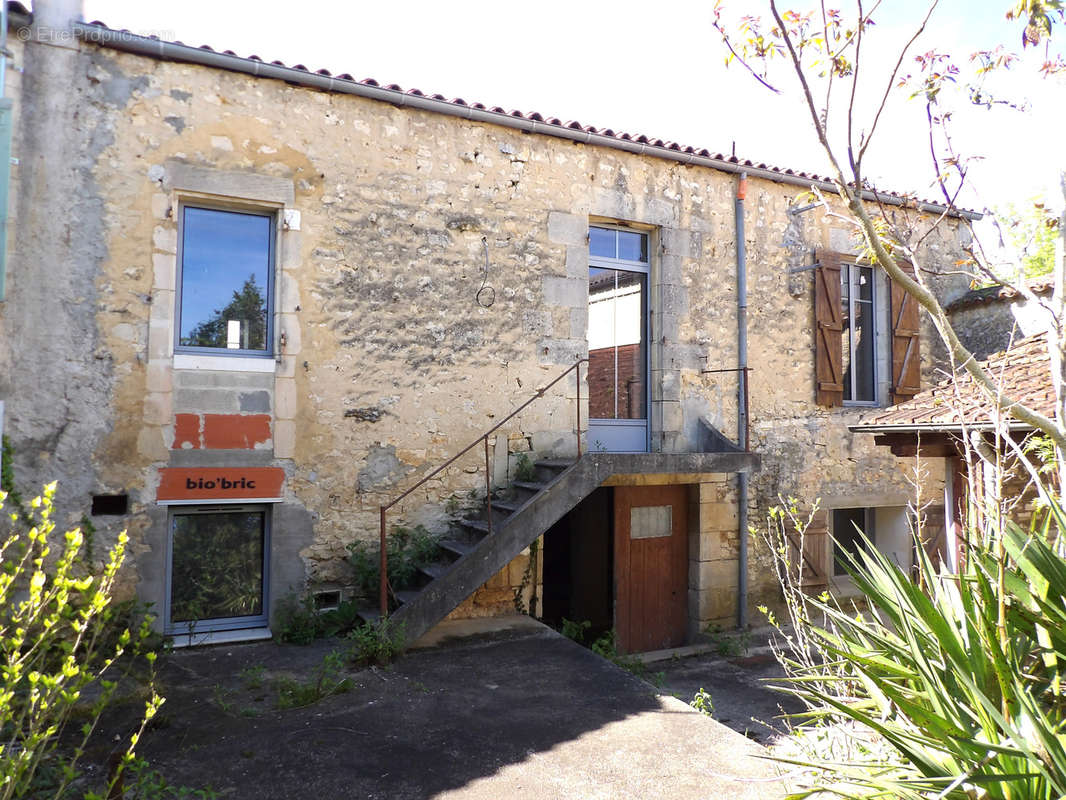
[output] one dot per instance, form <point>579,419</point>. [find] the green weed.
<point>328,680</point>
<point>377,642</point>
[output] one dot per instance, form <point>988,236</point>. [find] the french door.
<point>618,340</point>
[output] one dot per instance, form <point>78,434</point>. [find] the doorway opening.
<point>619,560</point>
<point>619,267</point>
<point>578,558</point>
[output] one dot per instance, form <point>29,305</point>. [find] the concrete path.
<point>518,713</point>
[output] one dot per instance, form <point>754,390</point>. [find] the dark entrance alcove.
<point>578,565</point>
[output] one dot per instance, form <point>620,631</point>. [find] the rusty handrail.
<point>488,476</point>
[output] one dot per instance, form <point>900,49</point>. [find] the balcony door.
<point>618,341</point>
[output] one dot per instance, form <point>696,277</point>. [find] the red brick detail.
<point>235,431</point>
<point>187,431</point>
<point>228,483</point>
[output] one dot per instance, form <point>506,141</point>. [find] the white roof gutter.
<point>172,51</point>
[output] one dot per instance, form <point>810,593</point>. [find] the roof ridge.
<point>100,33</point>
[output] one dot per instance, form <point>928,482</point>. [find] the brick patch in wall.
<point>235,431</point>
<point>187,431</point>
<point>220,431</point>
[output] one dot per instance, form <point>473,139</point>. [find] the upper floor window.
<point>225,281</point>
<point>867,339</point>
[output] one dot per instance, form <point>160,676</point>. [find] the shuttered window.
<point>848,308</point>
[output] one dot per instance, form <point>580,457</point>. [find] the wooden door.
<point>651,567</point>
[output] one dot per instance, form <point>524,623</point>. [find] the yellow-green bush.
<point>60,645</point>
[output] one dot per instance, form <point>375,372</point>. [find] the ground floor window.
<point>888,528</point>
<point>849,526</point>
<point>217,560</point>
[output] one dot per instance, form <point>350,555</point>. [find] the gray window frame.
<point>626,265</point>
<point>171,628</point>
<point>272,215</point>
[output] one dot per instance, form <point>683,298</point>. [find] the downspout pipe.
<point>742,403</point>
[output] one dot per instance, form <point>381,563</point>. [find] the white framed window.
<point>887,528</point>
<point>859,301</point>
<point>225,280</point>
<point>618,335</point>
<point>217,570</point>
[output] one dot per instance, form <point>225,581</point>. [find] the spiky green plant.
<point>956,678</point>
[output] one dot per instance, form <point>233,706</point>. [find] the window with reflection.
<point>226,275</point>
<point>617,324</point>
<point>857,299</point>
<point>217,567</point>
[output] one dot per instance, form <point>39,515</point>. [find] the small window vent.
<point>110,505</point>
<point>329,600</point>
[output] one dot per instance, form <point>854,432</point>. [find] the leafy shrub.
<point>300,622</point>
<point>575,630</point>
<point>524,468</point>
<point>297,619</point>
<point>407,549</point>
<point>378,642</point>
<point>57,648</point>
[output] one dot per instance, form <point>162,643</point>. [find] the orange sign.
<point>229,483</point>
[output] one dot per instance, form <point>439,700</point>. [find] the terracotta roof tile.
<point>991,294</point>
<point>573,124</point>
<point>1022,371</point>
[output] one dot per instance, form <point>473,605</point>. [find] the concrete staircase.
<point>472,556</point>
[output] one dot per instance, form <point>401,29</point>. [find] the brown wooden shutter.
<point>828,326</point>
<point>812,564</point>
<point>906,342</point>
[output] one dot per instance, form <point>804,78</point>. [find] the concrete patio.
<point>477,711</point>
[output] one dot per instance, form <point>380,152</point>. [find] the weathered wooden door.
<point>651,567</point>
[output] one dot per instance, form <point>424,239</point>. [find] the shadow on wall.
<point>712,440</point>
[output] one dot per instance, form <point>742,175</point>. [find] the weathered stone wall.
<point>394,357</point>
<point>989,327</point>
<point>65,379</point>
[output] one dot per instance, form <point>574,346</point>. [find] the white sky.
<point>654,68</point>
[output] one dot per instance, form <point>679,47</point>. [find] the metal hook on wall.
<point>486,295</point>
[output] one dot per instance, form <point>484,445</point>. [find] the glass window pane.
<point>632,246</point>
<point>617,302</point>
<point>865,281</point>
<point>847,522</point>
<point>862,335</point>
<point>224,277</point>
<point>845,339</point>
<point>602,242</point>
<point>216,566</point>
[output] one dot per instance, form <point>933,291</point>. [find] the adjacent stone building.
<point>249,304</point>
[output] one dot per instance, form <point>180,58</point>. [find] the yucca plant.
<point>955,680</point>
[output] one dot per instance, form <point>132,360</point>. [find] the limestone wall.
<point>394,357</point>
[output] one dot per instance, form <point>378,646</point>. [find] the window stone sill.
<point>219,637</point>
<point>224,363</point>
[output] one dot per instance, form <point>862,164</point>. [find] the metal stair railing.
<point>488,475</point>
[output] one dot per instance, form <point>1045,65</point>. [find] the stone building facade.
<point>425,268</point>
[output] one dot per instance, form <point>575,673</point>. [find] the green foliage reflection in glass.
<point>225,268</point>
<point>217,566</point>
